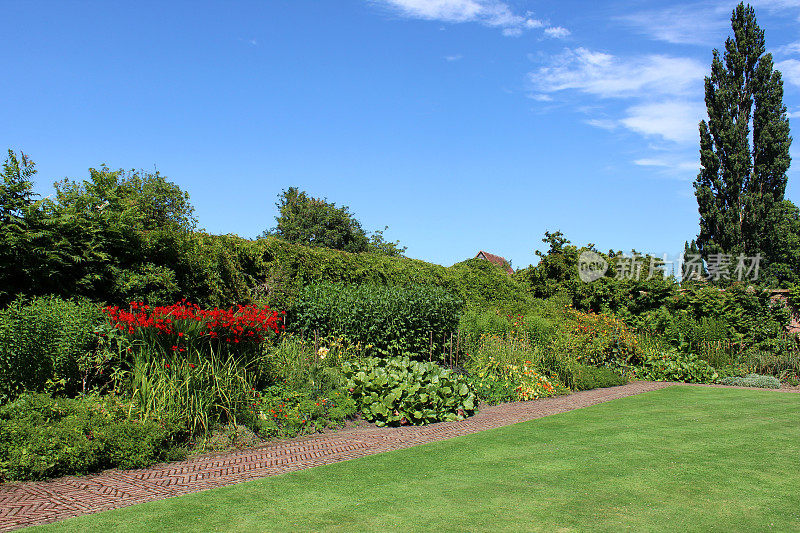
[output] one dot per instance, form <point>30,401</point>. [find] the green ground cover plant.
<point>752,380</point>
<point>682,458</point>
<point>398,391</point>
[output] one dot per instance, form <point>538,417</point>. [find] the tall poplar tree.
<point>744,145</point>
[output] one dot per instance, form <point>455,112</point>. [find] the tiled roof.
<point>495,259</point>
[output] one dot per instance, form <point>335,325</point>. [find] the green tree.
<point>744,145</point>
<point>312,221</point>
<point>16,198</point>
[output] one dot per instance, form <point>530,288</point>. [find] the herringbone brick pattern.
<point>26,504</point>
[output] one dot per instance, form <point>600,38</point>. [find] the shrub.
<point>396,391</point>
<point>392,320</point>
<point>592,377</point>
<point>676,366</point>
<point>600,339</point>
<point>476,322</point>
<point>556,364</point>
<point>43,437</point>
<point>44,339</point>
<point>752,380</point>
<point>497,382</point>
<point>285,412</point>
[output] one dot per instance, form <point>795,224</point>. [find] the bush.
<point>396,391</point>
<point>592,377</point>
<point>676,366</point>
<point>285,412</point>
<point>392,320</point>
<point>42,437</point>
<point>599,340</point>
<point>476,322</point>
<point>497,382</point>
<point>752,380</point>
<point>44,339</point>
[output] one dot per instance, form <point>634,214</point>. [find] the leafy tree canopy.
<point>303,219</point>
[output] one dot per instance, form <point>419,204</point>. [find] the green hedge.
<point>227,269</point>
<point>44,339</point>
<point>393,320</point>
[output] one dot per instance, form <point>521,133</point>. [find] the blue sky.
<point>461,124</point>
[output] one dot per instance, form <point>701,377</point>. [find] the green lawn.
<point>681,458</point>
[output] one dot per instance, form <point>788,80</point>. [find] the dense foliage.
<point>46,342</point>
<point>396,391</point>
<point>391,320</point>
<point>42,437</point>
<point>316,222</point>
<point>744,145</point>
<point>592,377</point>
<point>675,366</point>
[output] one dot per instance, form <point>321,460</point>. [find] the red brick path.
<point>27,504</point>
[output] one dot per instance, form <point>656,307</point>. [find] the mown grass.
<point>681,458</point>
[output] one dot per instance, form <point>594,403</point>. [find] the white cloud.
<point>541,97</point>
<point>673,167</point>
<point>608,76</point>
<point>492,13</point>
<point>603,123</point>
<point>672,120</point>
<point>557,32</point>
<point>454,57</point>
<point>790,69</point>
<point>789,49</point>
<point>794,114</point>
<point>700,23</point>
<point>683,24</point>
<point>681,165</point>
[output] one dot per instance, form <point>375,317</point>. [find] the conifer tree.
<point>744,145</point>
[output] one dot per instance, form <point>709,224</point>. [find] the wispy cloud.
<point>662,89</point>
<point>675,120</point>
<point>492,13</point>
<point>557,32</point>
<point>607,76</point>
<point>454,57</point>
<point>702,23</point>
<point>699,23</point>
<point>671,167</point>
<point>789,49</point>
<point>603,123</point>
<point>790,69</point>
